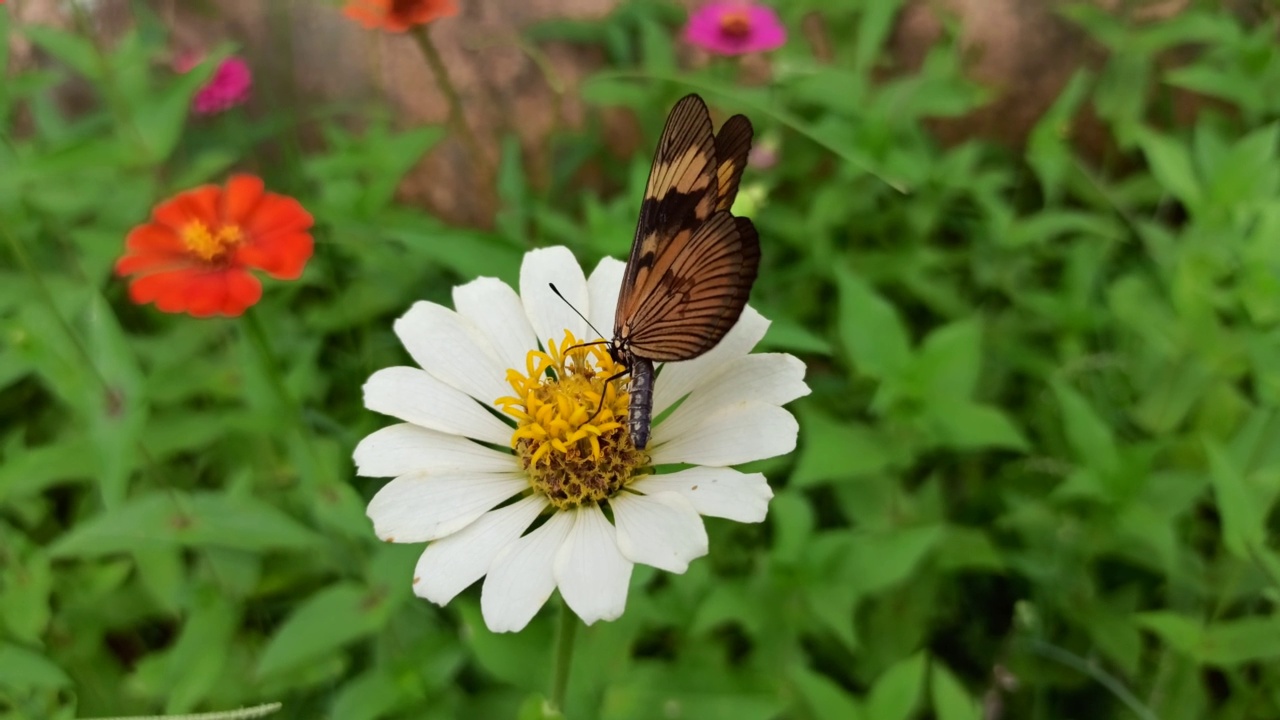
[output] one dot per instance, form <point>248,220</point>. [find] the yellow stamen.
<point>576,449</point>
<point>210,246</point>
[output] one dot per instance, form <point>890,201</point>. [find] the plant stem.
<point>456,117</point>
<point>288,405</point>
<point>564,656</point>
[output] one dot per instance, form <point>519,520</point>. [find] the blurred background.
<point>1028,249</point>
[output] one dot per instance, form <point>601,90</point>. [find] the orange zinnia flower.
<point>195,254</point>
<point>398,15</point>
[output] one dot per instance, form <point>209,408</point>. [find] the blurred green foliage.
<point>1035,476</point>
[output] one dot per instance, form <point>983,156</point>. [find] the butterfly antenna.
<point>575,312</point>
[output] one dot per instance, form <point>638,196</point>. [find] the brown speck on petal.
<point>417,579</point>
<point>695,487</point>
<point>388,539</point>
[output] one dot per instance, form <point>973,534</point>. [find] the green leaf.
<point>192,671</point>
<point>834,451</point>
<point>23,668</point>
<point>119,413</point>
<point>896,694</point>
<point>873,562</point>
<point>1090,438</point>
<point>949,360</point>
<point>870,330</point>
<point>74,51</point>
<point>369,696</point>
<point>27,580</point>
<point>199,520</point>
<point>950,699</point>
<point>29,471</point>
<point>1223,644</point>
<point>517,659</point>
<point>1052,159</point>
<point>824,698</point>
<point>788,335</point>
<point>1171,163</point>
<point>970,426</point>
<point>874,27</point>
<point>321,625</point>
<point>1244,512</point>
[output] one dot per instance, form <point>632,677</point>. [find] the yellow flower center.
<point>575,447</point>
<point>735,23</point>
<point>207,245</point>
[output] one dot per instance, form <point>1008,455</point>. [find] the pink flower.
<point>735,27</point>
<point>228,87</point>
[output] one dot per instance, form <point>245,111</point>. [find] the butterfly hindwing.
<point>680,195</point>
<point>697,290</point>
<point>733,142</point>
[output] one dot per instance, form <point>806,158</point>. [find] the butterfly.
<point>692,262</point>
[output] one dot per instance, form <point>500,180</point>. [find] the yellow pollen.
<point>210,246</point>
<point>735,23</point>
<point>576,449</point>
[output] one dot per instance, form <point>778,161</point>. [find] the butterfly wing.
<point>699,284</point>
<point>733,142</point>
<point>692,263</point>
<point>680,195</point>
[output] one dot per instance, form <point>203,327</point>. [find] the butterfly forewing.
<point>697,290</point>
<point>680,194</point>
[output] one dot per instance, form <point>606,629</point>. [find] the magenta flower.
<point>735,27</point>
<point>228,87</point>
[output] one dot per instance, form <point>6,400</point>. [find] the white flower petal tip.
<point>496,311</point>
<point>770,378</point>
<point>733,434</point>
<point>447,346</point>
<point>450,565</point>
<point>522,578</point>
<point>416,396</point>
<point>715,492</point>
<point>662,530</point>
<point>420,507</point>
<point>549,315</point>
<point>590,571</point>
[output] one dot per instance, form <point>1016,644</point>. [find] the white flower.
<point>472,485</point>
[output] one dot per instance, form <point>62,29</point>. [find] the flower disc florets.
<point>575,448</point>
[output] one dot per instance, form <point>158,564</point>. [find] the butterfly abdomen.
<point>641,405</point>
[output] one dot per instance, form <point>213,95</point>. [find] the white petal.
<point>590,571</point>
<point>771,378</point>
<point>678,378</point>
<point>662,530</point>
<point>402,449</point>
<point>602,291</point>
<point>448,347</point>
<point>734,434</point>
<point>419,507</point>
<point>520,579</point>
<point>717,492</point>
<point>416,396</point>
<point>496,311</point>
<point>550,315</point>
<point>449,565</point>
